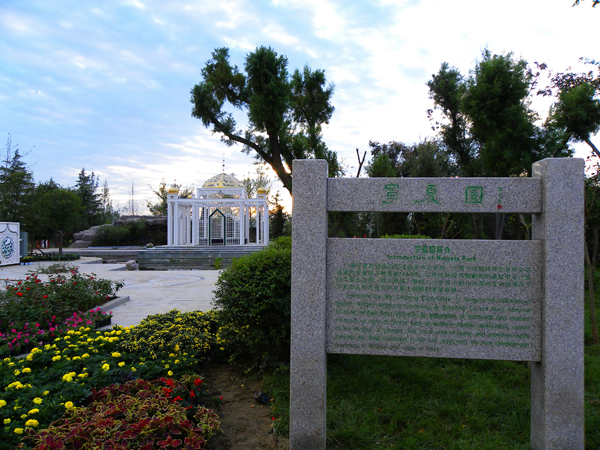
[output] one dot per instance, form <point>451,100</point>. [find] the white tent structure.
<point>220,214</point>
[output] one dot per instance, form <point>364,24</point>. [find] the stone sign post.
<point>479,299</point>
<point>9,243</point>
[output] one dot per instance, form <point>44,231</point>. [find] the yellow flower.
<point>37,401</point>
<point>82,375</point>
<point>105,367</point>
<point>76,358</point>
<point>69,405</point>
<point>33,411</point>
<point>17,372</point>
<point>24,416</point>
<point>19,430</point>
<point>176,361</point>
<point>171,355</point>
<point>133,369</point>
<point>6,421</point>
<point>2,403</point>
<point>122,363</point>
<point>170,373</point>
<point>85,355</point>
<point>56,358</point>
<point>116,355</point>
<point>32,423</point>
<point>46,393</point>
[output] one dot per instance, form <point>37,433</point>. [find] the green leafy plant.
<point>218,263</point>
<point>254,300</point>
<point>128,233</point>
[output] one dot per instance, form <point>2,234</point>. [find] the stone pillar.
<point>557,416</point>
<point>308,365</point>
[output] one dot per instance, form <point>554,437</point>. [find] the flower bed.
<point>41,387</point>
<point>33,310</point>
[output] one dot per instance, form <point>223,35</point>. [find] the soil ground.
<point>246,423</point>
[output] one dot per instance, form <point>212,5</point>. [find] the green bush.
<point>130,233</point>
<point>50,257</point>
<point>254,297</point>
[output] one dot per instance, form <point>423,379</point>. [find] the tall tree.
<point>86,189</point>
<point>160,208</point>
<point>108,212</point>
<point>447,89</point>
<point>577,111</point>
<point>285,114</point>
<point>261,180</point>
<point>62,211</point>
<point>16,185</point>
<point>500,120</point>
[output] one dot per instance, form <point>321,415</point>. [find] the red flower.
<point>45,296</point>
<point>192,393</point>
<point>197,382</point>
<point>19,294</point>
<point>178,398</point>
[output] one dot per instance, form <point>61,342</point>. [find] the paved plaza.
<point>150,292</point>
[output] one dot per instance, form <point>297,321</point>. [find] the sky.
<point>105,85</point>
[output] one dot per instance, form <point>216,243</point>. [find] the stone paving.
<point>150,292</point>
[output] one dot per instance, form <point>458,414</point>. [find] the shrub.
<point>254,300</point>
<point>138,414</point>
<point>129,233</point>
<point>174,332</point>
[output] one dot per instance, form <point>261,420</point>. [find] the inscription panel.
<point>470,195</point>
<point>436,298</point>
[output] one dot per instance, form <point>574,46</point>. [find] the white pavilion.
<point>220,214</point>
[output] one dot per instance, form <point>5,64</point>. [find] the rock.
<point>83,239</point>
<point>149,245</point>
<point>131,265</point>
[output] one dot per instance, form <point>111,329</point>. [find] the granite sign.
<point>505,300</point>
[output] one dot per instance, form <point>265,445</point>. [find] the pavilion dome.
<point>221,181</point>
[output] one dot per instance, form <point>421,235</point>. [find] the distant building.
<point>219,214</point>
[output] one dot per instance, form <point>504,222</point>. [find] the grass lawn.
<point>382,402</point>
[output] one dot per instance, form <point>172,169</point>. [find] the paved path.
<point>150,292</point>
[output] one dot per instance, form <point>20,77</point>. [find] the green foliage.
<point>16,186</point>
<point>91,202</point>
<point>284,115</point>
<point>174,332</point>
<point>160,208</point>
<point>50,257</point>
<point>137,414</point>
<point>253,296</point>
<point>404,236</point>
<point>218,263</point>
<point>128,233</point>
<point>578,113</point>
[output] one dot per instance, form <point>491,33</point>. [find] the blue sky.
<point>105,85</point>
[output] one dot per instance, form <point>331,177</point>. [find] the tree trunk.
<point>60,245</point>
<point>590,273</point>
<point>499,225</point>
<point>591,144</point>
